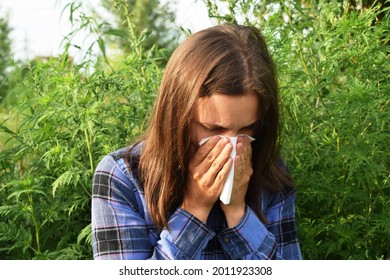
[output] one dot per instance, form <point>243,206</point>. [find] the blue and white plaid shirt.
<point>122,227</point>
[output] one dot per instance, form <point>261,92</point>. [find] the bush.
<point>334,75</point>
<point>68,119</point>
<point>60,118</point>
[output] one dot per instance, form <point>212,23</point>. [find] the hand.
<point>235,210</point>
<point>208,170</point>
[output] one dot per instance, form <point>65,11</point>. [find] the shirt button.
<point>226,240</point>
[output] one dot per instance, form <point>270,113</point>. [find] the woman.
<point>159,199</point>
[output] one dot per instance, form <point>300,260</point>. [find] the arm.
<point>120,229</point>
<point>250,239</point>
<point>186,239</point>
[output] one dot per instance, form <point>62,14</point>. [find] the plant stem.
<point>37,238</point>
<point>89,146</point>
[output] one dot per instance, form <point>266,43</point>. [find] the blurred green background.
<point>59,116</point>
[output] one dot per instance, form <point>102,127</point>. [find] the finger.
<point>245,148</point>
<point>215,152</point>
<point>223,173</point>
<point>205,149</point>
<point>220,179</point>
<point>202,167</point>
<point>243,170</point>
<point>237,167</point>
<point>243,140</point>
<point>219,163</point>
<point>243,160</point>
<point>239,146</point>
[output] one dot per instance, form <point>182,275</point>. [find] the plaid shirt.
<point>122,227</point>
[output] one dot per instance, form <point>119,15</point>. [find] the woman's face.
<point>222,114</point>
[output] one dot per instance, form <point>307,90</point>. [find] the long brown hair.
<point>228,59</point>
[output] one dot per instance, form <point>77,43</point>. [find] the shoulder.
<point>115,167</point>
<point>113,163</point>
<point>115,183</point>
<point>123,159</point>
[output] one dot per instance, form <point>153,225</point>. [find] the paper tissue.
<point>228,185</point>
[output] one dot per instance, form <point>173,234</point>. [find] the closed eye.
<point>214,128</point>
<point>217,128</point>
<point>251,128</point>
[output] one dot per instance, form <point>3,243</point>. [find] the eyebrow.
<point>215,126</point>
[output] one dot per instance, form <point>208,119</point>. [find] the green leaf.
<point>86,233</point>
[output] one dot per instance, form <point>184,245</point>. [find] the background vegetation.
<point>58,118</point>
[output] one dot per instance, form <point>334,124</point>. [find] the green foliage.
<point>334,69</point>
<point>150,18</point>
<point>61,117</point>
<point>65,119</point>
<point>5,54</point>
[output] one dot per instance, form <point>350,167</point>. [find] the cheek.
<point>204,134</point>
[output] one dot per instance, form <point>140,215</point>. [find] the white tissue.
<point>228,185</point>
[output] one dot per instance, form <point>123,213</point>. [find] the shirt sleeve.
<point>119,227</point>
<point>186,238</point>
<point>251,239</point>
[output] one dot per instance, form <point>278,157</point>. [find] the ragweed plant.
<point>334,70</point>
<point>69,117</point>
<point>61,117</point>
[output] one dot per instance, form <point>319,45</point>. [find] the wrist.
<point>200,213</point>
<point>233,214</point>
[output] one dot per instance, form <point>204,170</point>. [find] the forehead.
<point>227,110</point>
